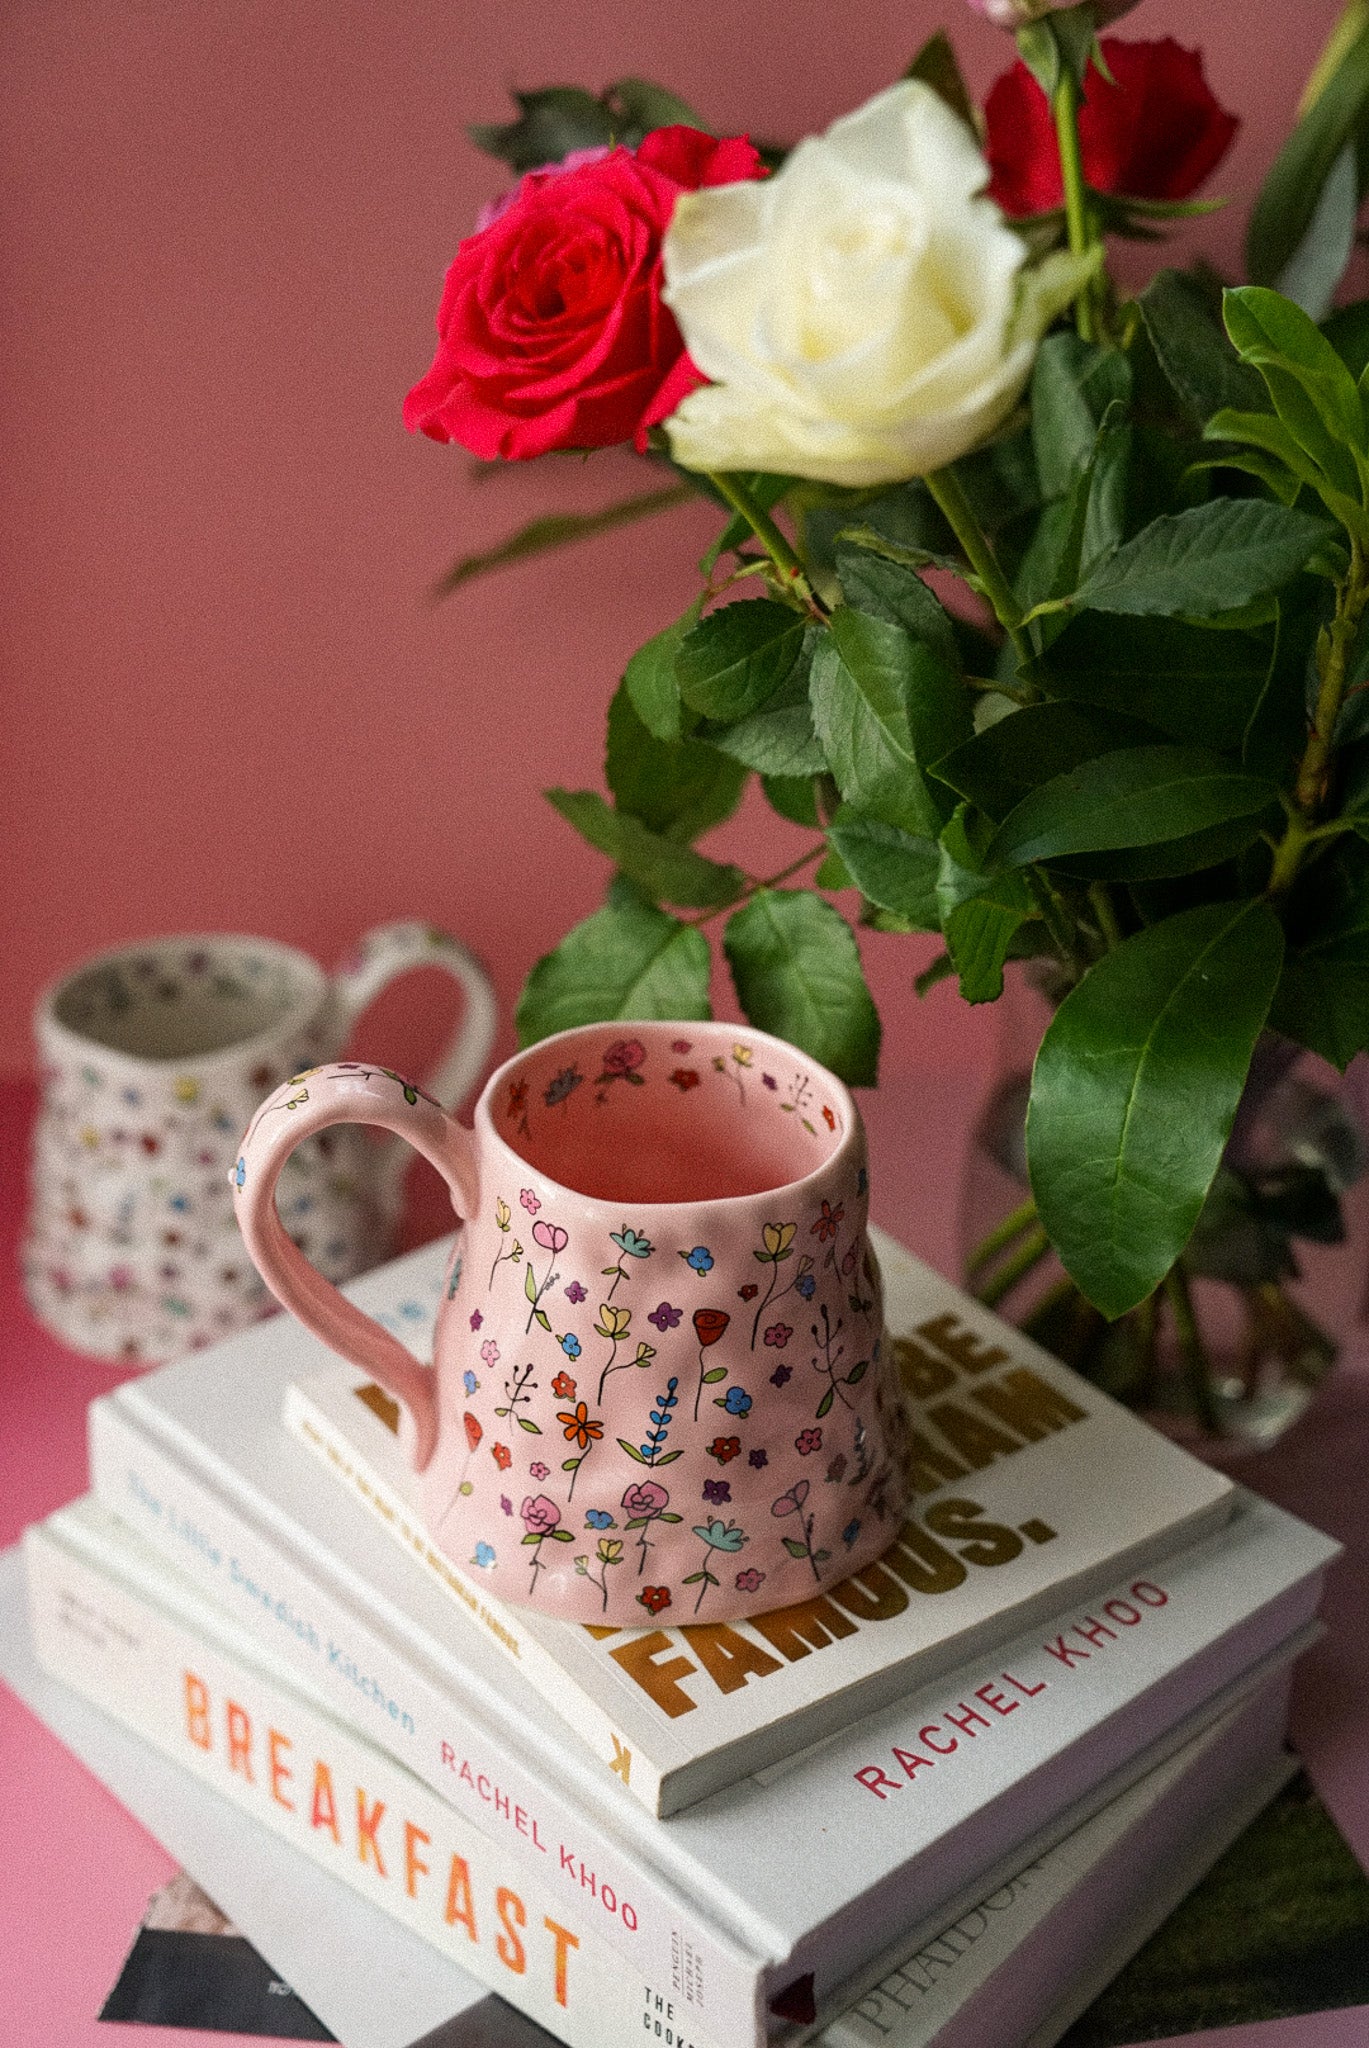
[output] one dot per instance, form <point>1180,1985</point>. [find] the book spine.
<point>579,1709</point>
<point>290,1609</point>
<point>345,1804</point>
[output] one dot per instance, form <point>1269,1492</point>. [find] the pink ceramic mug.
<point>659,1380</point>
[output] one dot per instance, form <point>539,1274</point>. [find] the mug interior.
<point>646,1113</point>
<point>181,999</point>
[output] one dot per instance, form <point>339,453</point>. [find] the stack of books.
<point>931,1804</point>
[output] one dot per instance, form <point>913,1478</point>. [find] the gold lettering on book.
<point>933,1552</point>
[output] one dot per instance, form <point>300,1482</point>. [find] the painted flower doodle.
<point>553,1240</point>
<point>584,1431</point>
<point>654,1598</point>
<point>792,1502</point>
<point>512,1251</point>
<point>645,1503</point>
<point>709,1325</point>
<point>608,1552</point>
<point>717,1536</point>
<point>631,1245</point>
<point>827,1363</point>
<point>541,1520</point>
<point>652,1451</point>
<point>621,1063</point>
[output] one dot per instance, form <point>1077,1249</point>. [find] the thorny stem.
<point>946,488</point>
<point>781,552</point>
<point>1333,658</point>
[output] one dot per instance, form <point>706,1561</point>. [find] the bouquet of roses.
<point>1136,753</point>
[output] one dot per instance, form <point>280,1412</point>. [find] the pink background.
<point>228,703</point>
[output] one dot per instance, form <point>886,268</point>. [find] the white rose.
<point>865,315</point>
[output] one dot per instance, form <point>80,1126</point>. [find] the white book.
<point>1031,1488</point>
<point>372,1982</point>
<point>120,1627</point>
<point>753,1904</point>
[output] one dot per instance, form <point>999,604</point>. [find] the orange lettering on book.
<point>367,1823</point>
<point>565,1941</point>
<point>197,1712</point>
<point>460,1903</point>
<point>240,1741</point>
<point>513,1914</point>
<point>324,1813</point>
<point>280,1770</point>
<point>414,1867</point>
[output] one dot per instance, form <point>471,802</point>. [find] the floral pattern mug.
<point>660,1380</point>
<point>151,1061</point>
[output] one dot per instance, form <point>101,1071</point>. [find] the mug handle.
<point>347,1092</point>
<point>381,956</point>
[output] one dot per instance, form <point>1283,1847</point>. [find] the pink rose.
<point>540,1515</point>
<point>624,1057</point>
<point>552,332</point>
<point>645,1497</point>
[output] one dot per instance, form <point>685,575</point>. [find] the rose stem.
<point>768,534</point>
<point>1066,110</point>
<point>945,487</point>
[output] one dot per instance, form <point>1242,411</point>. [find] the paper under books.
<point>755,1904</point>
<point>110,1619</point>
<point>1030,1488</point>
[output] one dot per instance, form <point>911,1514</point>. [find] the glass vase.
<point>1229,1352</point>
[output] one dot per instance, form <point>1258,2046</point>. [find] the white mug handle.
<point>380,957</point>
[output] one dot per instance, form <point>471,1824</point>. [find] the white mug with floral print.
<point>660,1382</point>
<point>152,1059</point>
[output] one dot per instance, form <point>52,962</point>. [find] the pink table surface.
<point>76,1870</point>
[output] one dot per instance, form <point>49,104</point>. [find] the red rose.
<point>709,1324</point>
<point>551,329</point>
<point>1155,134</point>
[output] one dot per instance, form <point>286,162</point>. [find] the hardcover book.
<point>1030,1487</point>
<point>730,1902</point>
<point>135,1638</point>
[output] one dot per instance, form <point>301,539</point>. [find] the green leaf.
<point>1193,350</point>
<point>935,64</point>
<point>1319,262</point>
<point>909,554</point>
<point>1347,330</point>
<point>979,933</point>
<point>632,1452</point>
<point>793,796</point>
<point>558,530</point>
<point>710,1379</point>
<point>649,106</point>
<point>794,1547</point>
<point>997,768</point>
<point>1190,682</point>
<point>1211,559</point>
<point>778,741</point>
<point>1293,186</point>
<point>1314,394</point>
<point>797,973</point>
<point>677,790</point>
<point>551,123</point>
<point>883,705</point>
<point>1073,384</point>
<point>1141,796</point>
<point>733,661</point>
<point>832,872</point>
<point>890,867</point>
<point>650,679</point>
<point>1134,1090</point>
<point>667,871</point>
<point>524,1422</point>
<point>530,1283</point>
<point>825,1403</point>
<point>889,590</point>
<point>627,960</point>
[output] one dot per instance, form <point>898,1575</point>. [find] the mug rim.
<point>484,1127</point>
<point>49,1028</point>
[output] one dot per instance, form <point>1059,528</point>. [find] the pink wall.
<point>227,701</point>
